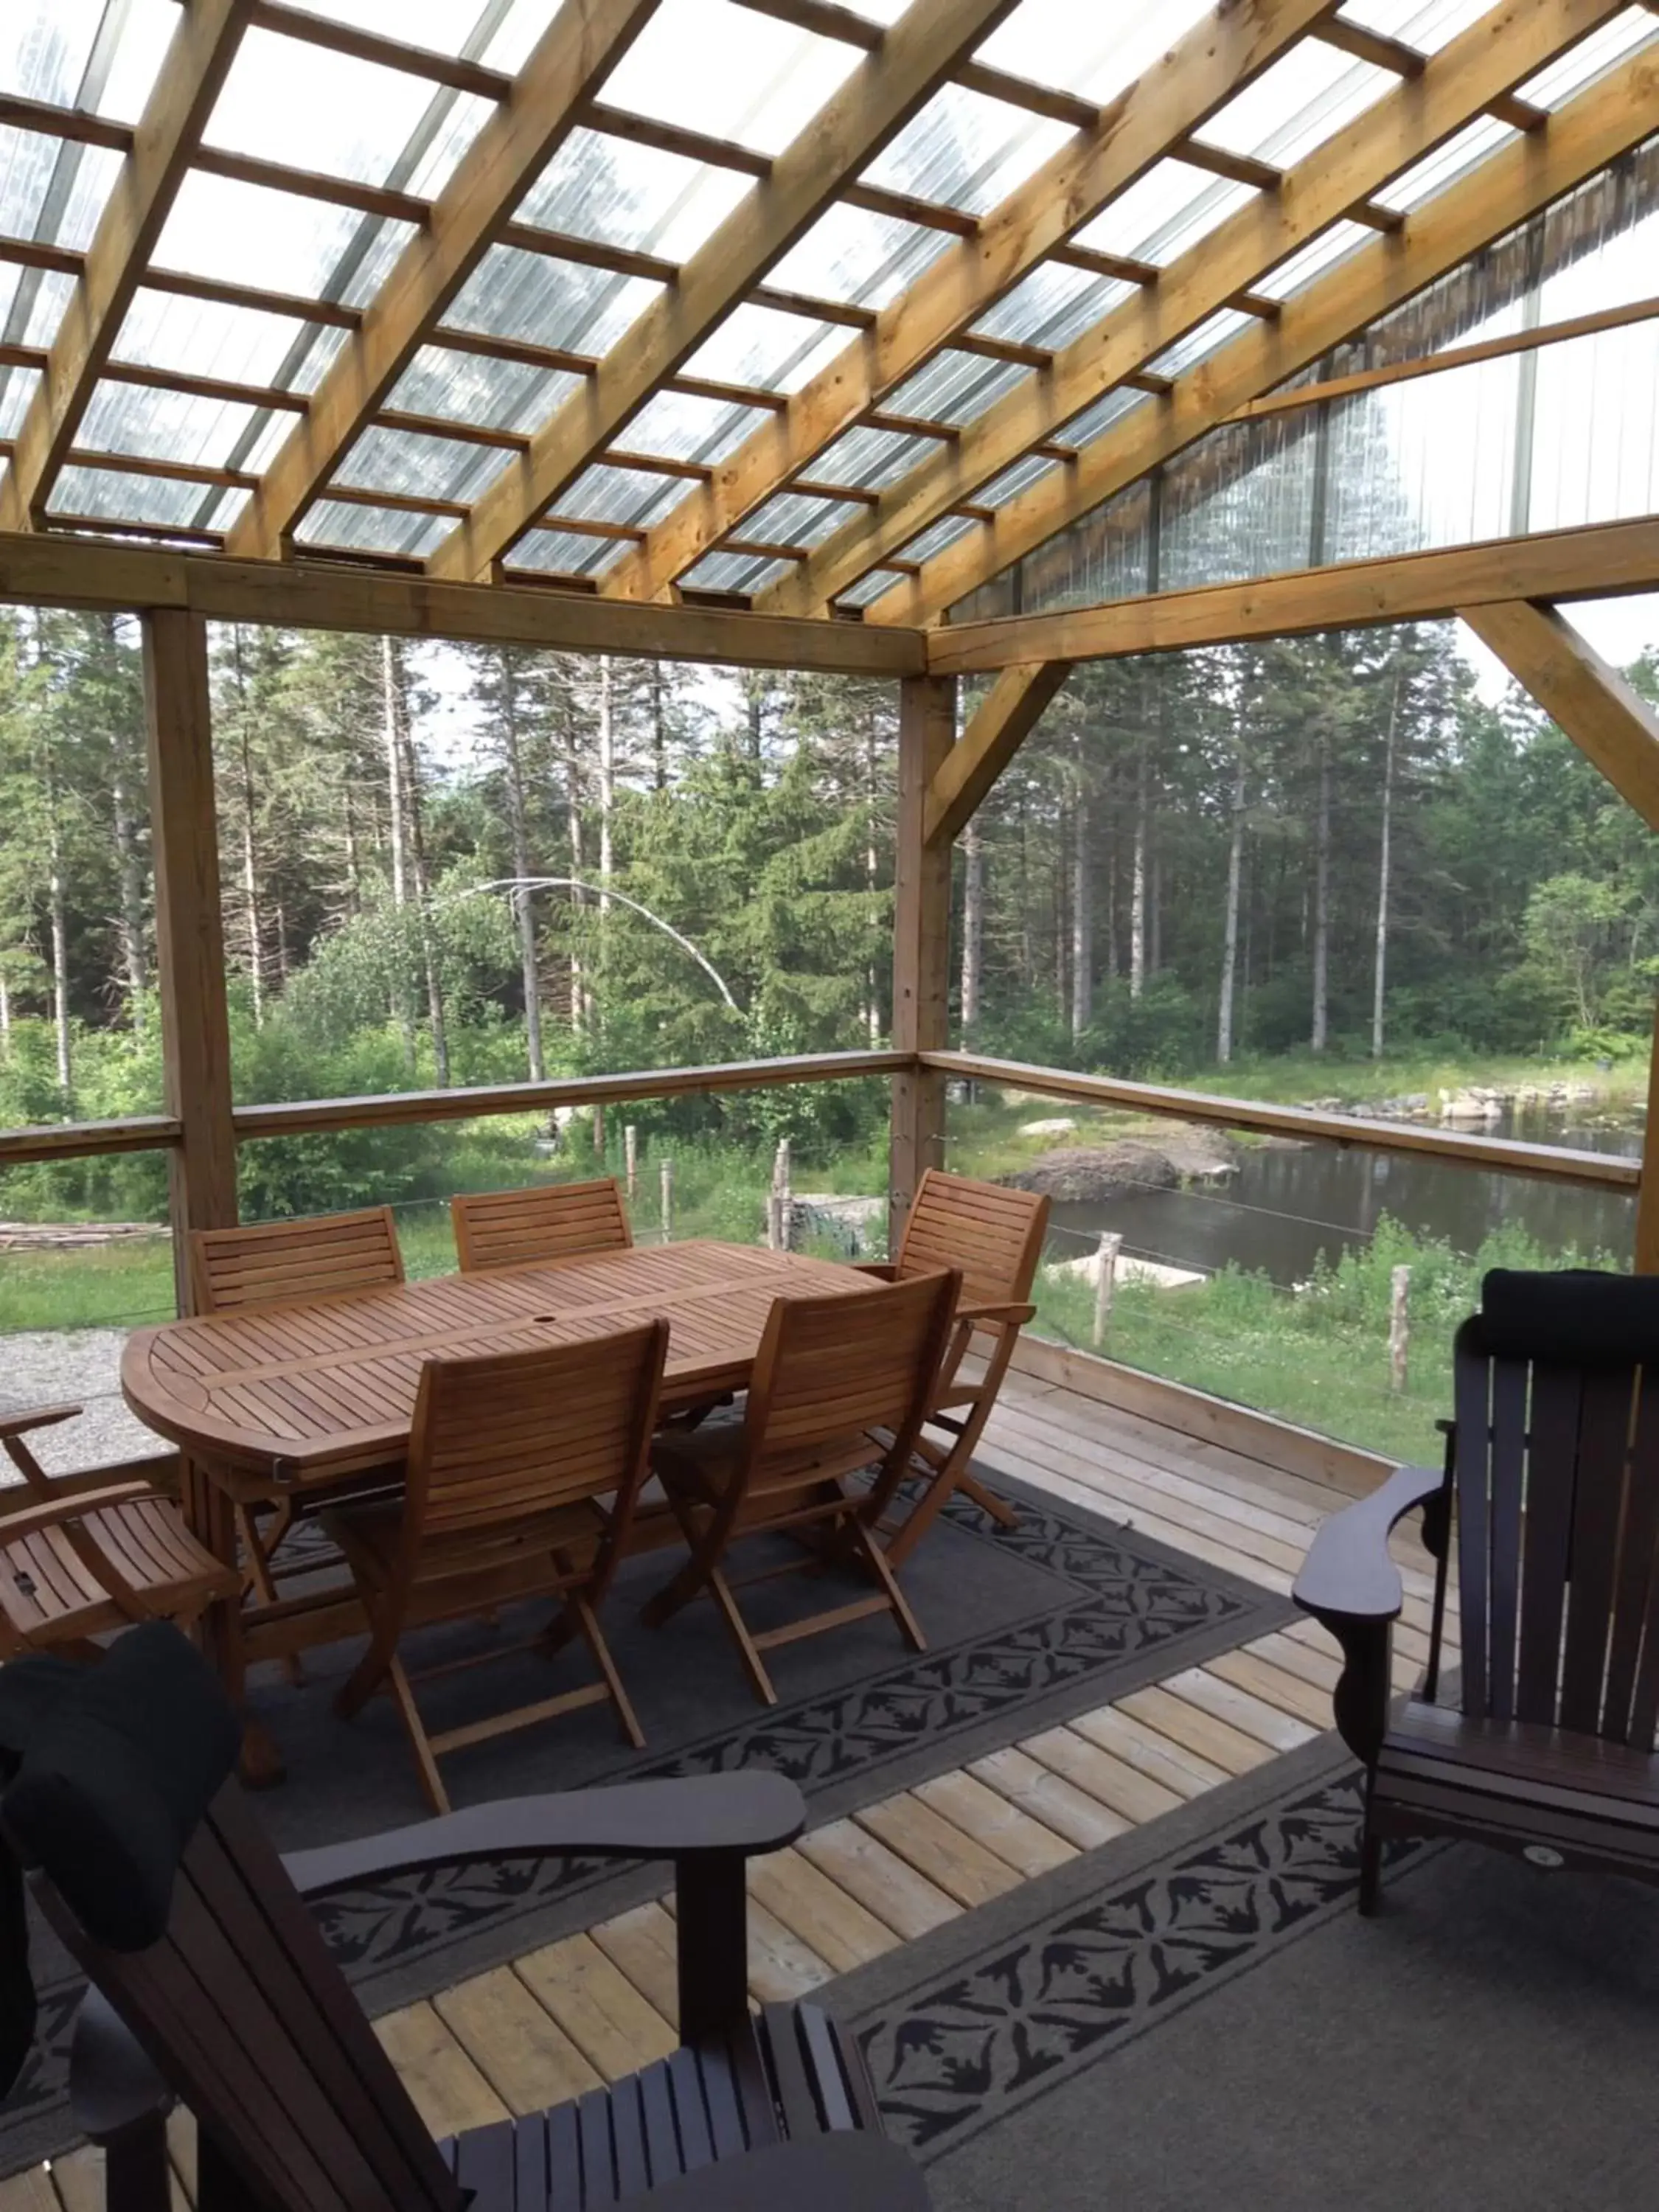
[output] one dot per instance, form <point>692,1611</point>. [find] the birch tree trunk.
<point>1224,1034</point>
<point>394,801</point>
<point>58,911</point>
<point>1083,919</point>
<point>573,797</point>
<point>420,882</point>
<point>5,1016</point>
<point>1379,974</point>
<point>1137,881</point>
<point>973,929</point>
<point>1321,902</point>
<point>872,881</point>
<point>250,915</point>
<point>518,825</point>
<point>128,864</point>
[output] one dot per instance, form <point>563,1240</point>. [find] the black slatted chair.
<point>212,1982</point>
<point>1553,1465</point>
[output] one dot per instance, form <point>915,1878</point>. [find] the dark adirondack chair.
<point>1552,1468</point>
<point>212,1982</point>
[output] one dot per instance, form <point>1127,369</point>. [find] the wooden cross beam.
<point>884,92</point>
<point>1005,719</point>
<point>1214,62</point>
<point>194,69</point>
<point>1501,50</point>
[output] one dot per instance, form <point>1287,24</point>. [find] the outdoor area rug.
<point>1026,1627</point>
<point>1194,2016</point>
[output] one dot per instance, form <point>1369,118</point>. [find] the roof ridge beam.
<point>884,92</point>
<point>193,69</point>
<point>574,55</point>
<point>1502,48</point>
<point>1197,77</point>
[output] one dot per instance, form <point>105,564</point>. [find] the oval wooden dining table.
<point>299,1398</point>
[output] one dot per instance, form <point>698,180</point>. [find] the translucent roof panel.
<point>1426,27</point>
<point>1171,209</point>
<point>1592,57</point>
<point>852,255</point>
<point>684,427</point>
<point>1094,52</point>
<point>160,500</point>
<point>729,71</point>
<point>500,32</point>
<point>99,55</point>
<point>561,304</point>
<point>470,387</point>
<point>1010,484</point>
<point>372,529</point>
<point>870,458</point>
<point>1305,98</point>
<point>34,301</point>
<point>872,586</point>
<point>765,346</point>
<point>1212,333</point>
<point>939,535</point>
<point>735,572</point>
<point>1053,306</point>
<point>561,552</point>
<point>16,390</point>
<point>289,100</point>
<point>418,464</point>
<point>53,190</point>
<point>954,387</point>
<point>161,425</point>
<point>611,190</point>
<point>1437,171</point>
<point>1312,259</point>
<point>1106,410</point>
<point>795,519</point>
<point>630,495</point>
<point>217,224</point>
<point>165,330</point>
<point>966,151</point>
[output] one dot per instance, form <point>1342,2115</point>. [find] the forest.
<point>486,864</point>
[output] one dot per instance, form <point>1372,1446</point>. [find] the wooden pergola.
<point>820,517</point>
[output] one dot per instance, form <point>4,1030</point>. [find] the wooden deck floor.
<point>596,2005</point>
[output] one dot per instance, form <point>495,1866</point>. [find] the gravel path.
<point>76,1367</point>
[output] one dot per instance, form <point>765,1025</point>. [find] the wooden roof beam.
<point>193,69</point>
<point>888,87</point>
<point>1611,724</point>
<point>1003,721</point>
<point>1215,60</point>
<point>1503,47</point>
<point>570,61</point>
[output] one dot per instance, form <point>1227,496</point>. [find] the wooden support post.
<point>921,934</point>
<point>1647,1199</point>
<point>1399,1327</point>
<point>1111,1244</point>
<point>189,933</point>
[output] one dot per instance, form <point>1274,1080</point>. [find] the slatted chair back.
<point>830,1371</point>
<point>550,1221</point>
<point>501,1437</point>
<point>246,2015</point>
<point>992,1237</point>
<point>317,1256</point>
<point>1556,1474</point>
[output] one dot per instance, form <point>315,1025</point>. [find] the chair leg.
<point>366,1677</point>
<point>677,1592</point>
<point>999,1508</point>
<point>587,1622</point>
<point>404,1698</point>
<point>759,1681</point>
<point>881,1567</point>
<point>257,1553</point>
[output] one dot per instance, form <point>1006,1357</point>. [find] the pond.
<point>1290,1202</point>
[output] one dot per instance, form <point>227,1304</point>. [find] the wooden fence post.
<point>190,944</point>
<point>1111,1244</point>
<point>921,940</point>
<point>779,1202</point>
<point>668,1202</point>
<point>1399,1327</point>
<point>630,1154</point>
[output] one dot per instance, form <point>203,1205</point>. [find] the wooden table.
<point>306,1396</point>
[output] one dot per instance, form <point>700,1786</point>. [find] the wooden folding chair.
<point>841,1387</point>
<point>994,1238</point>
<point>524,1468</point>
<point>549,1221</point>
<point>82,1554</point>
<point>314,1256</point>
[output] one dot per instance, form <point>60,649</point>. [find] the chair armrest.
<point>1349,1572</point>
<point>1014,1315</point>
<point>52,1512</point>
<point>883,1270</point>
<point>699,1817</point>
<point>35,1417</point>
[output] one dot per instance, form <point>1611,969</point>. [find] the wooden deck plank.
<point>1241,1708</point>
<point>1274,1686</point>
<point>1013,1833</point>
<point>514,2042</point>
<point>640,1945</point>
<point>1140,1744</point>
<point>31,2191</point>
<point>813,1907</point>
<point>616,2029</point>
<point>1217,1740</point>
<point>781,1965</point>
<point>1048,1797</point>
<point>940,1852</point>
<point>449,2091</point>
<point>1128,1794</point>
<point>78,2178</point>
<point>874,1875</point>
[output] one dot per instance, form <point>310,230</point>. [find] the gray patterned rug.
<point>1195,2019</point>
<point>1025,1628</point>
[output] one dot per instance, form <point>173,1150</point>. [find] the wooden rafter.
<point>1501,49</point>
<point>1601,559</point>
<point>884,92</point>
<point>1203,70</point>
<point>193,69</point>
<point>580,45</point>
<point>1611,724</point>
<point>1003,721</point>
